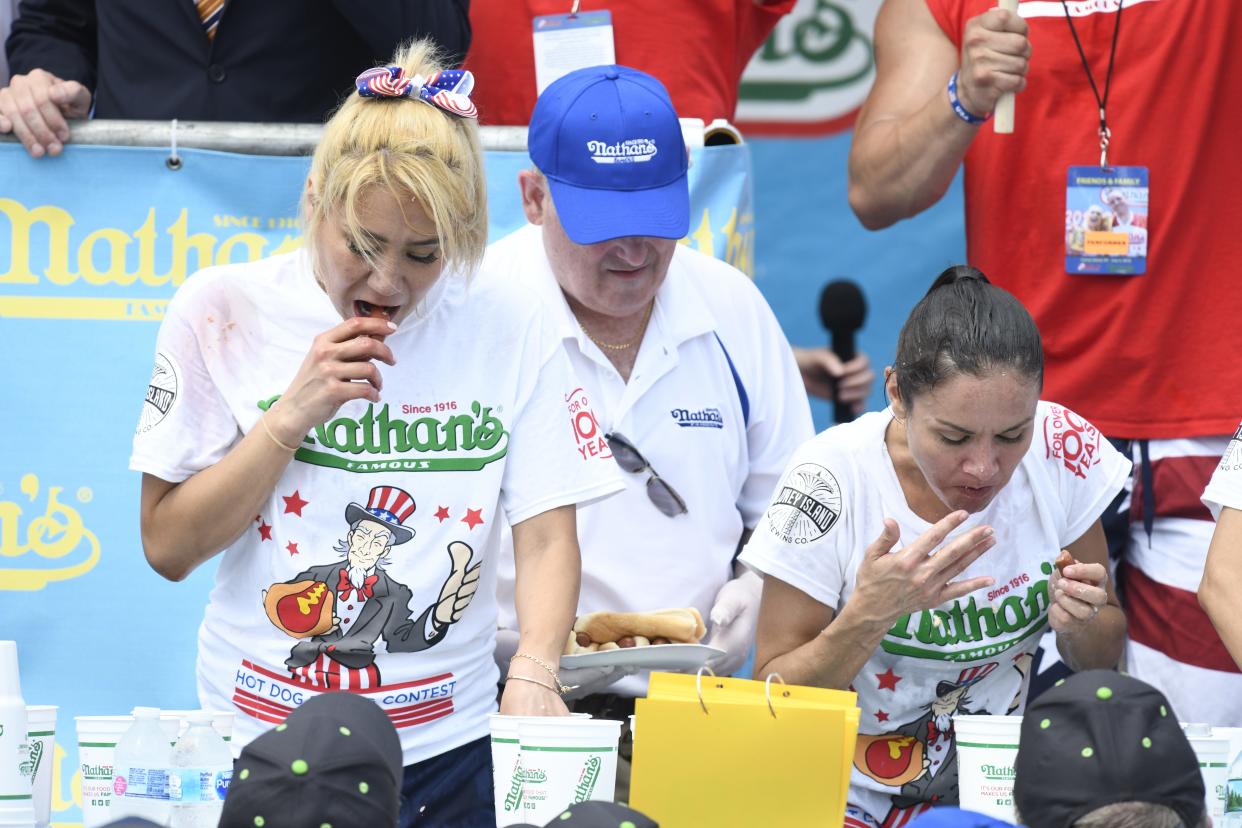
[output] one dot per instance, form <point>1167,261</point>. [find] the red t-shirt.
<point>1151,356</point>
<point>697,48</point>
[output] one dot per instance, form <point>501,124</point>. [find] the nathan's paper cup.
<point>506,765</point>
<point>506,768</point>
<point>986,749</point>
<point>1212,751</point>
<point>221,721</point>
<point>97,738</point>
<point>565,761</point>
<point>41,736</point>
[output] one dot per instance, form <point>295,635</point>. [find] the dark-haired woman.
<point>911,555</point>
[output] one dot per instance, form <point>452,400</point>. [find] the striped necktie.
<point>210,11</point>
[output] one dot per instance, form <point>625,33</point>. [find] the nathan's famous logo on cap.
<point>630,151</point>
<point>590,776</point>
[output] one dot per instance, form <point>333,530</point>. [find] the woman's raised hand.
<point>340,366</point>
<point>919,576</point>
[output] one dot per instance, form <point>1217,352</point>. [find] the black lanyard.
<point>1105,133</point>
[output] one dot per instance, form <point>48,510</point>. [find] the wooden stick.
<point>1002,116</point>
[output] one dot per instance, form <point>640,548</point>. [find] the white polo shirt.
<point>716,405</point>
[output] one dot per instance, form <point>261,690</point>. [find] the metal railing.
<point>292,139</point>
<point>243,137</point>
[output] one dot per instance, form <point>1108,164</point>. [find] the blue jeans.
<point>452,790</point>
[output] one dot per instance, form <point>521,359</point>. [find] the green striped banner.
<point>960,743</point>
<point>571,749</point>
<point>97,744</point>
<point>14,797</point>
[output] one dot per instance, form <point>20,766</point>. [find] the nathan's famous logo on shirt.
<point>971,630</point>
<point>380,442</point>
<point>633,151</point>
<point>806,506</point>
<point>1072,440</point>
<point>703,418</point>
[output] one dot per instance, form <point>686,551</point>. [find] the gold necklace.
<point>642,329</point>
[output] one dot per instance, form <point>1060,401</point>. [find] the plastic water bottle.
<point>140,770</point>
<point>202,768</point>
<point>1233,795</point>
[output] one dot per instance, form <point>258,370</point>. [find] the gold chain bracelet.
<point>560,688</point>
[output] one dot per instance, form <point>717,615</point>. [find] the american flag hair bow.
<point>448,90</point>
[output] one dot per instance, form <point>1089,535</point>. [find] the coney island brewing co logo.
<point>807,505</point>
<point>814,71</point>
<point>161,392</point>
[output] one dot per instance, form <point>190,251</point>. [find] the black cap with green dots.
<point>1098,738</point>
<point>334,763</point>
<point>598,814</point>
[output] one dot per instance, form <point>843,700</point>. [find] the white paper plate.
<point>669,657</point>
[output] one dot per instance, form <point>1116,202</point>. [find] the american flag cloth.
<point>448,90</point>
<point>210,12</point>
<point>330,674</point>
<point>1171,642</point>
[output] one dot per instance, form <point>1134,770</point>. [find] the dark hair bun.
<point>958,273</point>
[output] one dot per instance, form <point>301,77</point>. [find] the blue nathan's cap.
<point>610,144</point>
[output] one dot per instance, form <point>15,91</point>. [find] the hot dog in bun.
<point>614,630</point>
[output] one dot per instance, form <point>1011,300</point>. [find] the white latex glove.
<point>584,680</point>
<point>734,616</point>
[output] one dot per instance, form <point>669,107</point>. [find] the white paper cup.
<point>506,768</point>
<point>97,738</point>
<point>565,761</point>
<point>41,736</point>
<point>986,749</point>
<point>1213,752</point>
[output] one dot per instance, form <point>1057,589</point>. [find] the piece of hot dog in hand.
<point>1078,592</point>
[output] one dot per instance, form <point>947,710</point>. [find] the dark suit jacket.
<point>271,60</point>
<point>386,613</point>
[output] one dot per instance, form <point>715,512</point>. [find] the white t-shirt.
<point>1225,487</point>
<point>471,432</point>
<point>830,506</point>
<point>716,405</point>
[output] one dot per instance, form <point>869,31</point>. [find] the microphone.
<point>843,310</point>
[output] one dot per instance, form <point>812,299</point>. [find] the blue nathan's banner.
<point>92,246</point>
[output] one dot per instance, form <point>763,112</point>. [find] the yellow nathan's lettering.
<point>253,242</point>
<point>702,237</point>
<point>21,222</point>
<point>52,535</point>
<point>287,244</point>
<point>737,244</point>
<point>115,241</point>
<point>235,221</point>
<point>200,243</point>
<point>59,803</point>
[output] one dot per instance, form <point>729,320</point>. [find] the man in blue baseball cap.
<point>686,381</point>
